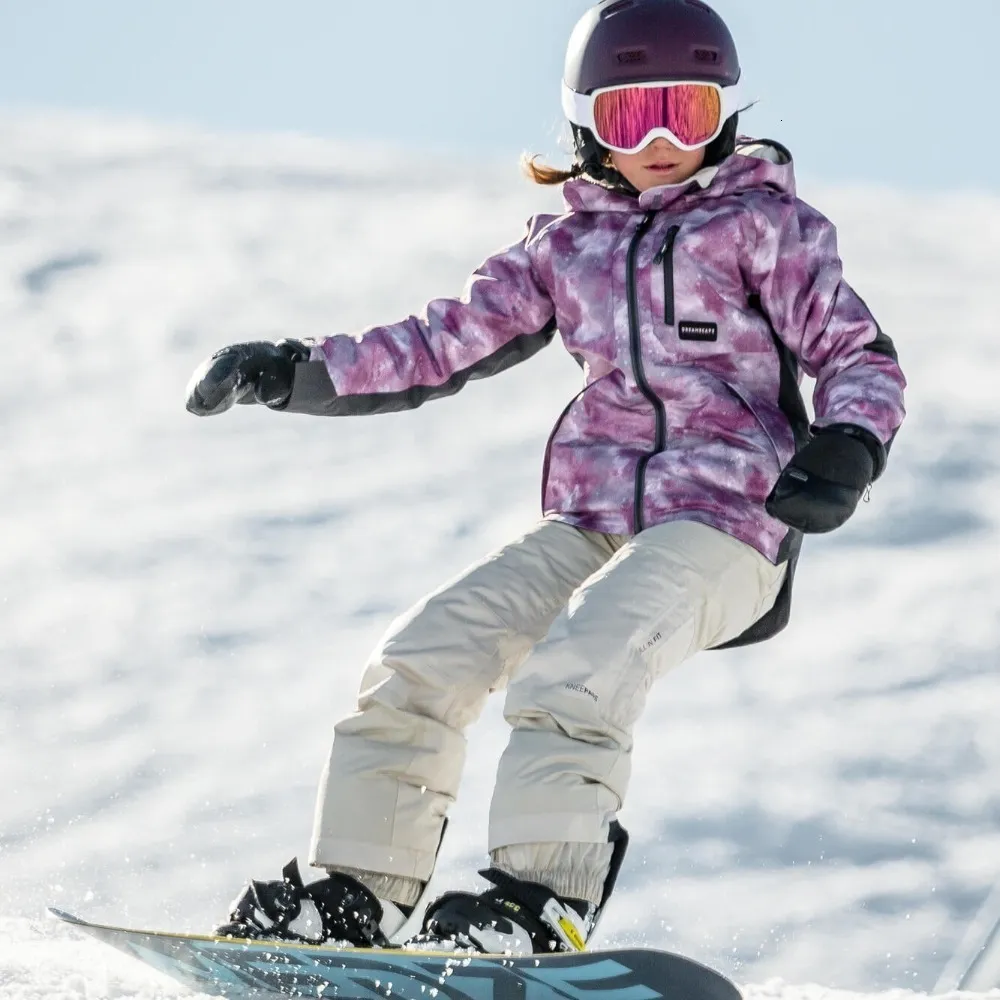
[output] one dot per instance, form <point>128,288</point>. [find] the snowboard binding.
<point>518,917</point>
<point>515,917</point>
<point>336,908</point>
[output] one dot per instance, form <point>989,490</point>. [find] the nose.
<point>662,145</point>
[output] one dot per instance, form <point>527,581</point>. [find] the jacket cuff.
<point>876,449</point>
<point>313,391</point>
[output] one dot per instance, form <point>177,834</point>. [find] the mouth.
<point>661,167</point>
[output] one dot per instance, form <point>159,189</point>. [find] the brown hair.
<point>542,173</point>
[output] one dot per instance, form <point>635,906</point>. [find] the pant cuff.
<point>570,870</point>
<point>397,888</point>
<point>565,884</point>
<point>379,858</point>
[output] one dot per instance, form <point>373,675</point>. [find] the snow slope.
<point>185,604</point>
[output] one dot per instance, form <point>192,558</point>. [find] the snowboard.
<point>239,968</point>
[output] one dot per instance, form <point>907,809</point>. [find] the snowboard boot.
<point>513,918</point>
<point>518,917</point>
<point>336,908</point>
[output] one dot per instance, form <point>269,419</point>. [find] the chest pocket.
<point>697,330</point>
<point>665,259</point>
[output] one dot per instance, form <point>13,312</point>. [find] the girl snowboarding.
<point>692,285</point>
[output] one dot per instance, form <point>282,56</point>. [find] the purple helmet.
<point>637,41</point>
<point>620,42</point>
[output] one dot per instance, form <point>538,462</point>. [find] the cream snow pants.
<point>602,616</point>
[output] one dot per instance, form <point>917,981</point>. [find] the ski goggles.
<point>626,119</point>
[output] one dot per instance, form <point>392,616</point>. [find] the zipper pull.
<point>668,244</point>
<point>665,256</point>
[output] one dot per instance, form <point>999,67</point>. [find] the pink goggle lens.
<point>624,117</point>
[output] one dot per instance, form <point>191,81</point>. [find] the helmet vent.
<point>706,55</point>
<point>631,57</point>
<point>616,8</point>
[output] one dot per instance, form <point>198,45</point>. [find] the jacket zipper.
<point>635,349</point>
<point>665,256</point>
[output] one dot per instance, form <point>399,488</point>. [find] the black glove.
<point>820,487</point>
<point>257,372</point>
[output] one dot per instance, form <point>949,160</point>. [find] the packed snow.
<point>186,604</point>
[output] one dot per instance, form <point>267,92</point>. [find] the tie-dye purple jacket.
<point>690,311</point>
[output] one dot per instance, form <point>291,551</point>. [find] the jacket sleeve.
<point>504,316</point>
<point>798,276</point>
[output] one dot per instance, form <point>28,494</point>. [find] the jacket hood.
<point>755,166</point>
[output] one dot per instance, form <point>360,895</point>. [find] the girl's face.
<point>661,162</point>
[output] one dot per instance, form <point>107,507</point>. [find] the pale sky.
<point>901,92</point>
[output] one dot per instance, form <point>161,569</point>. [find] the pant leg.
<point>672,590</point>
<point>396,762</point>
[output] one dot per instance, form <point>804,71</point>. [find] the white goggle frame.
<point>579,109</point>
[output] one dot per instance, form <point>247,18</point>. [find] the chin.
<point>656,180</point>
